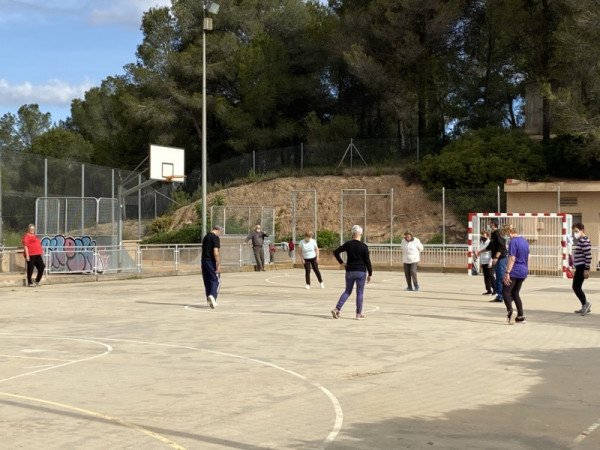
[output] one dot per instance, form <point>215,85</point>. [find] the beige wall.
<point>522,196</point>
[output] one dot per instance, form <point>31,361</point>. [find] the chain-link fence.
<point>241,220</point>
<point>26,177</point>
<point>350,153</point>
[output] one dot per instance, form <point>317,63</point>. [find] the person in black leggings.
<point>517,269</point>
<point>582,260</point>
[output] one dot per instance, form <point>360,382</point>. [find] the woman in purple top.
<point>517,270</point>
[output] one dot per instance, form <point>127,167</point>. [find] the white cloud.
<point>54,92</point>
<point>127,12</point>
<point>124,12</point>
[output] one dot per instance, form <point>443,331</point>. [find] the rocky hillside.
<point>411,209</point>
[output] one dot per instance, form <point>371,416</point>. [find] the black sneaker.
<point>510,317</point>
<point>496,300</point>
<point>520,319</point>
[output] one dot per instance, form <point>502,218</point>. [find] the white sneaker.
<point>308,286</point>
<point>211,301</point>
<point>322,285</point>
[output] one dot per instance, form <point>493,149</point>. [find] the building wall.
<point>582,200</point>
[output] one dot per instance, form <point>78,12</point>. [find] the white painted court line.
<point>34,357</point>
<point>339,415</point>
<point>325,311</point>
<point>68,363</point>
<point>116,420</point>
<point>109,349</point>
<point>586,433</point>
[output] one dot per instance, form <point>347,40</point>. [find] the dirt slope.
<point>411,210</point>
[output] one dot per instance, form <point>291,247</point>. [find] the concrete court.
<point>144,364</point>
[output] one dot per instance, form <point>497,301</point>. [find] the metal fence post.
<point>444,226</point>
<point>498,190</point>
<point>391,224</point>
<point>138,257</point>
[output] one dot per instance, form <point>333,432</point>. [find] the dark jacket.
<point>497,244</point>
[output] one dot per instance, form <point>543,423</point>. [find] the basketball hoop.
<point>170,178</point>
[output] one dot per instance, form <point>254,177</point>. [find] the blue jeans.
<point>211,279</point>
<point>360,278</point>
<point>500,268</point>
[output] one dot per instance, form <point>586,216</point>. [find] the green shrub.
<point>13,238</point>
<point>328,239</point>
<point>185,235</point>
<point>161,224</point>
<point>436,239</point>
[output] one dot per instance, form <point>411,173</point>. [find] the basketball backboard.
<point>166,162</point>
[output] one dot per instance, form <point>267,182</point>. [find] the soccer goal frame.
<point>545,232</point>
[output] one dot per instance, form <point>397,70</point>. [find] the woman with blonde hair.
<point>358,270</point>
<point>517,269</point>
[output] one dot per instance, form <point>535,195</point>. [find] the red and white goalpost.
<point>545,232</point>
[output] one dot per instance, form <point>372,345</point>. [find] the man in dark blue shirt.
<point>498,251</point>
<point>211,265</point>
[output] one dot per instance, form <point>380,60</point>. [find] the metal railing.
<point>432,255</point>
<point>10,261</point>
<point>99,260</point>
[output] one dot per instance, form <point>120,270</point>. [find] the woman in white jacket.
<point>411,255</point>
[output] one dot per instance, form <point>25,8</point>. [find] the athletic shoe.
<point>578,311</point>
<point>335,313</point>
<point>322,285</point>
<point>31,285</point>
<point>308,286</point>
<point>510,318</point>
<point>360,317</point>
<point>496,300</point>
<point>211,301</point>
<point>416,287</point>
<point>408,289</point>
<point>37,284</point>
<point>586,308</point>
<point>520,319</point>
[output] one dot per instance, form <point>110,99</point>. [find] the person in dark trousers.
<point>32,251</point>
<point>411,255</point>
<point>358,270</point>
<point>516,271</point>
<point>211,265</point>
<point>582,260</point>
<point>309,255</point>
<point>485,259</point>
<point>498,250</point>
<point>258,239</point>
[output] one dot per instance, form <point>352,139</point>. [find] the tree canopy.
<point>283,72</point>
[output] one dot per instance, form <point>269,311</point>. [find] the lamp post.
<point>212,8</point>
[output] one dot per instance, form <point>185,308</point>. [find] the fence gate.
<point>304,213</point>
<point>240,220</point>
<point>545,232</point>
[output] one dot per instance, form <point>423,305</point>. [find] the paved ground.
<point>144,364</point>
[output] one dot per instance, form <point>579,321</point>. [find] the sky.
<point>52,51</point>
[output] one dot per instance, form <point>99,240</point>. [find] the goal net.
<point>545,232</point>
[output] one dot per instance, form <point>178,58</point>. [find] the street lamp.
<point>212,8</point>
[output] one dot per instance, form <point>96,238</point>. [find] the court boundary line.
<point>339,414</point>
